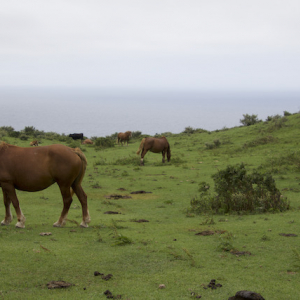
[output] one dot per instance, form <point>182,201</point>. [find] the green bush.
<point>249,120</point>
<point>23,137</point>
<point>104,142</point>
<point>239,191</point>
<point>136,134</point>
<point>215,144</point>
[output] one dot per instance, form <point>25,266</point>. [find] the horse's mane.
<point>4,145</point>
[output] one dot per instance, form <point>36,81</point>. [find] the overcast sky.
<point>186,44</point>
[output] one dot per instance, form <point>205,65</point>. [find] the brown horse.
<point>155,145</point>
<point>35,169</point>
<point>87,142</point>
<point>124,136</point>
<point>34,143</point>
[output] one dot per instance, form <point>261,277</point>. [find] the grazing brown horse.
<point>124,136</point>
<point>87,142</point>
<point>35,169</point>
<point>34,143</point>
<point>155,145</point>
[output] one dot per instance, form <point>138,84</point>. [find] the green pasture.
<point>152,238</point>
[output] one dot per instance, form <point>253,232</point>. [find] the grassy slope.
<point>165,250</point>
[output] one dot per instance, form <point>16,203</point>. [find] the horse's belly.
<point>156,151</point>
<point>32,185</point>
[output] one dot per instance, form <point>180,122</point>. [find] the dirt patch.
<point>104,277</point>
<point>288,234</point>
<point>240,253</point>
<point>212,285</point>
<point>109,295</point>
<point>116,196</point>
<point>140,221</point>
<point>121,189</point>
<point>110,212</point>
<point>141,192</point>
<point>58,284</point>
<point>210,232</point>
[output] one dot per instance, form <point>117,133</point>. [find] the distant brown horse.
<point>35,169</point>
<point>87,142</point>
<point>155,145</point>
<point>34,143</point>
<point>124,136</point>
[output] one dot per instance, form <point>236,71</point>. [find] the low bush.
<point>238,191</point>
<point>249,120</point>
<point>104,142</point>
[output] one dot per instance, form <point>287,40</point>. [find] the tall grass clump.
<point>289,160</point>
<point>238,191</point>
<point>129,160</point>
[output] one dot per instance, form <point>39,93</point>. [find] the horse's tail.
<point>141,146</point>
<point>83,169</point>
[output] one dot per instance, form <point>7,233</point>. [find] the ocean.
<point>102,112</point>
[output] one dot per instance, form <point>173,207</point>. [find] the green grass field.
<point>152,238</point>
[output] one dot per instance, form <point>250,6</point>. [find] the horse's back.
<point>33,169</point>
<point>156,145</point>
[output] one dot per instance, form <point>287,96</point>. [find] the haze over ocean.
<point>102,112</point>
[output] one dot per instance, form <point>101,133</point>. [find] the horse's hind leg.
<point>8,216</point>
<point>67,199</point>
<point>78,190</point>
<point>9,196</point>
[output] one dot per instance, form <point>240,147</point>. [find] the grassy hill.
<point>153,238</point>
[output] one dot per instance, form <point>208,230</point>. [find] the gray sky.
<point>186,44</point>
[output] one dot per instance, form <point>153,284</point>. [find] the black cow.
<point>76,136</point>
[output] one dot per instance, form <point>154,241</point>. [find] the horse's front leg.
<point>163,156</point>
<point>9,196</point>
<point>142,156</point>
<point>67,199</point>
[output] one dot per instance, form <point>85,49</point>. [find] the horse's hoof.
<point>56,224</point>
<point>6,222</point>
<point>84,225</point>
<point>20,225</point>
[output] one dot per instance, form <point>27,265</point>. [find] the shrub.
<point>24,137</point>
<point>286,113</point>
<point>249,120</point>
<point>136,134</point>
<point>239,191</point>
<point>104,142</point>
<point>271,118</point>
<point>188,130</point>
<point>8,130</point>
<point>215,144</point>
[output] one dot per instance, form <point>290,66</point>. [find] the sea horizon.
<point>102,112</point>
